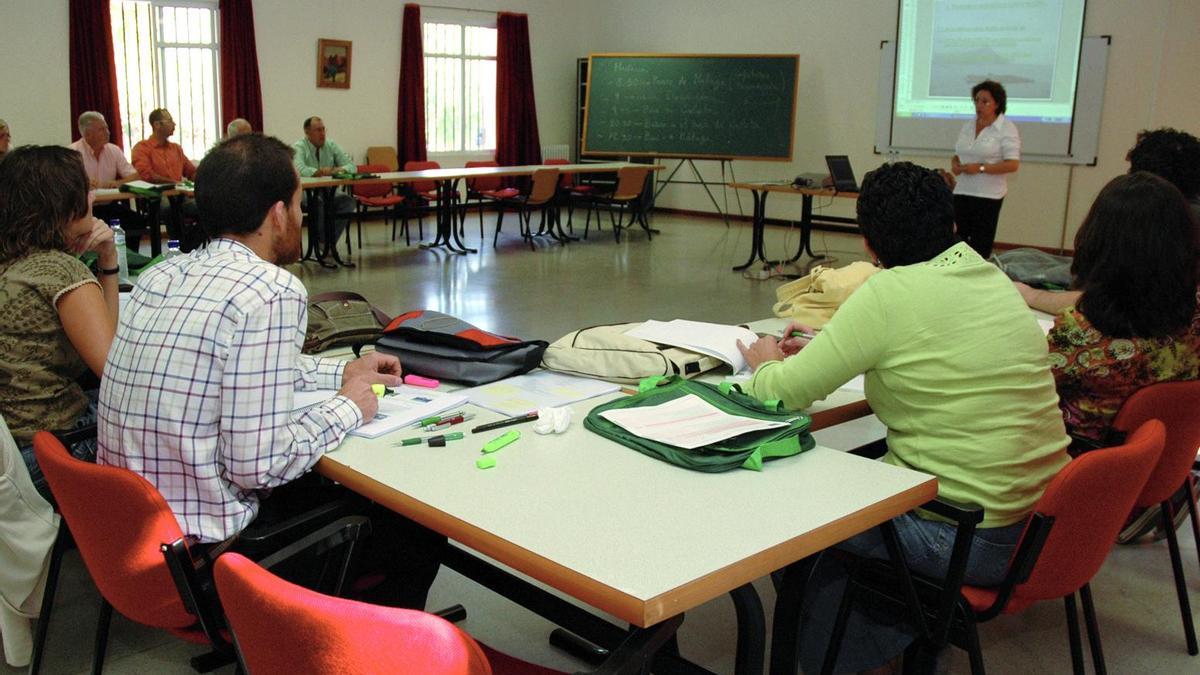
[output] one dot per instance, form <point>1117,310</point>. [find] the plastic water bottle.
<point>172,249</point>
<point>122,252</point>
<point>893,157</point>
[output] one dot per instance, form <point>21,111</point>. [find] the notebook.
<point>842,174</point>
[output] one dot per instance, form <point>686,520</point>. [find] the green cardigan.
<point>956,368</point>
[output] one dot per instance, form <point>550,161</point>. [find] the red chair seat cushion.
<point>503,193</point>
<point>981,598</point>
<point>583,189</point>
<point>390,200</point>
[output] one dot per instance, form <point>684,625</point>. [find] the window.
<point>166,56</point>
<point>460,87</point>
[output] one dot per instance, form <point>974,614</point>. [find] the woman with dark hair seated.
<point>955,366</point>
<point>57,320</point>
<point>1135,322</point>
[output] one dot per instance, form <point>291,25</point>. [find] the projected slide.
<point>944,47</point>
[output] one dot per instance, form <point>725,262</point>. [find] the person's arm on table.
<point>851,343</point>
<point>343,161</point>
<point>266,443</point>
<point>1050,302</point>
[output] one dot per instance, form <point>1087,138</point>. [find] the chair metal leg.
<point>1073,635</point>
<point>974,649</point>
<point>101,645</point>
<point>785,624</point>
<point>1185,608</point>
<point>1093,630</point>
<point>839,627</point>
<point>1191,504</point>
<point>752,629</point>
<point>61,541</point>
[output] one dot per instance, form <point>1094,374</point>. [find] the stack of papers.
<point>407,406</point>
<point>526,393</point>
<point>713,339</point>
<point>686,422</point>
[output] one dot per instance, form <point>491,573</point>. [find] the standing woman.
<point>988,149</point>
<point>57,319</point>
<point>5,138</point>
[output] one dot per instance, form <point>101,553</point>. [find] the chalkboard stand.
<point>725,161</point>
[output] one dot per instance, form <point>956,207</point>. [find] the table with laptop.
<point>840,182</point>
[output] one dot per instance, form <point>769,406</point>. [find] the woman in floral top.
<point>1136,321</point>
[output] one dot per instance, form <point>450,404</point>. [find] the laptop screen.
<point>842,174</point>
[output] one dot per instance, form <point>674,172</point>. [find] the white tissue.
<point>552,420</point>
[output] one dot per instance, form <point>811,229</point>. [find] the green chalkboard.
<point>691,105</point>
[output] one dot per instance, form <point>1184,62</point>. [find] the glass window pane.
<point>480,41</point>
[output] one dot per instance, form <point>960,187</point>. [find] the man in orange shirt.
<point>158,160</point>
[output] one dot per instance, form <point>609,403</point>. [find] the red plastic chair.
<point>375,196</point>
<point>570,192</point>
<point>284,629</point>
<point>1073,527</point>
<point>485,189</point>
<point>423,192</point>
<point>127,537</point>
<point>1176,405</point>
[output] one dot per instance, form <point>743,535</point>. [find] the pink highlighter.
<point>418,381</point>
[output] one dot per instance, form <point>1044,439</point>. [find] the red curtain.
<point>516,115</point>
<point>241,90</point>
<point>93,71</point>
<point>410,123</point>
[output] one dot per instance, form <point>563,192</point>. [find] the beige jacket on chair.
<point>28,526</point>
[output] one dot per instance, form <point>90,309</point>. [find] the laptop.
<point>842,174</point>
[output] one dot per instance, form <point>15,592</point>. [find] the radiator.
<point>562,151</point>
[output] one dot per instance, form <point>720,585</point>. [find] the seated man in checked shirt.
<point>199,384</point>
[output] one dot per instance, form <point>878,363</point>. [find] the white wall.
<point>1152,79</point>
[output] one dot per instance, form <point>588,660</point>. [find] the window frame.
<point>158,76</point>
<point>463,21</point>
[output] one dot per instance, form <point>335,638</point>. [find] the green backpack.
<point>747,451</point>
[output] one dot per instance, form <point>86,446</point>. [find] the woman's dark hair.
<point>1135,259</point>
<point>996,90</point>
<point>906,213</point>
<point>238,181</point>
<point>1172,154</point>
<point>43,188</point>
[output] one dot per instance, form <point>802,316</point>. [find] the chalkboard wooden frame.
<point>635,151</point>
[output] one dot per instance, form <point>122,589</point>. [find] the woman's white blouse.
<point>996,143</point>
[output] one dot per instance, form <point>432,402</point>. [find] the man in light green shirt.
<point>316,156</point>
<point>957,369</point>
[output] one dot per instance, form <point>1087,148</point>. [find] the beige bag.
<point>607,353</point>
<point>812,300</point>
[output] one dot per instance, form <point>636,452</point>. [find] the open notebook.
<point>398,410</point>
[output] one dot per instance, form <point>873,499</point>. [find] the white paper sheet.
<point>714,339</point>
<point>687,422</point>
<point>526,393</point>
<point>400,410</point>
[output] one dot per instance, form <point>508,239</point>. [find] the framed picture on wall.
<point>333,63</point>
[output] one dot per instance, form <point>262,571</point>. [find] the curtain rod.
<point>466,9</point>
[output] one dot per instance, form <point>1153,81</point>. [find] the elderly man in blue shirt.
<point>317,156</point>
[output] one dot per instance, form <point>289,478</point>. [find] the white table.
<point>624,533</point>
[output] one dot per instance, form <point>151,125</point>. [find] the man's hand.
<point>374,368</point>
<point>764,349</point>
<point>359,391</point>
<point>324,171</point>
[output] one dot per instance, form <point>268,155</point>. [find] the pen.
<point>802,334</point>
<point>519,419</point>
<point>448,421</point>
<point>440,441</point>
<point>434,419</point>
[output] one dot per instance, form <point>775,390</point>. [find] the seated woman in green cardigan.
<point>955,366</point>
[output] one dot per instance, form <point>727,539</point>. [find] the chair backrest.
<point>630,180</point>
<point>385,155</point>
<point>285,629</point>
<point>568,179</point>
<point>422,185</point>
<point>483,182</point>
<point>1177,405</point>
<point>371,190</point>
<point>1089,501</point>
<point>545,186</point>
<point>120,522</point>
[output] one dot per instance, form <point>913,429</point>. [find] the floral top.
<point>1095,373</point>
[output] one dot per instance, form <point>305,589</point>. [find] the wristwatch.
<point>115,270</point>
<point>981,167</point>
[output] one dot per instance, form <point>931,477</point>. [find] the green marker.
<point>485,462</point>
<point>500,441</point>
<point>409,441</point>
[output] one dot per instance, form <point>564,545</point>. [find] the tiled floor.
<point>684,273</point>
